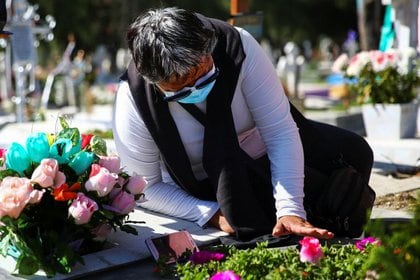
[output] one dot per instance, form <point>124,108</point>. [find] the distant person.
<point>201,113</point>
<point>78,74</point>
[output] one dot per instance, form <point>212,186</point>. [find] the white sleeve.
<point>270,109</point>
<point>139,153</point>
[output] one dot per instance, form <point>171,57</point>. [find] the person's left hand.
<point>296,225</point>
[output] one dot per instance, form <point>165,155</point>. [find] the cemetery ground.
<point>395,188</point>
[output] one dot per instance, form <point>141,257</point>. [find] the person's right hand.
<point>296,225</point>
<point>219,221</point>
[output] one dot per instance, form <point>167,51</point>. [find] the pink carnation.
<point>225,275</point>
<point>311,250</point>
<point>201,257</point>
<point>361,244</point>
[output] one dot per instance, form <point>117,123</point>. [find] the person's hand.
<point>296,225</point>
<point>219,221</point>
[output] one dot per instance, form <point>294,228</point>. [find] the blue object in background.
<point>339,79</point>
<point>387,30</point>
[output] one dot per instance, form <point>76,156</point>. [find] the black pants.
<point>323,143</point>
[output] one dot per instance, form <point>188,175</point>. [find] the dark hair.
<point>168,43</point>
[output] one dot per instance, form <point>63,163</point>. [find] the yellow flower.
<point>51,138</point>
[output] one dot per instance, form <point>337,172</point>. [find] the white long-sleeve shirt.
<point>263,123</point>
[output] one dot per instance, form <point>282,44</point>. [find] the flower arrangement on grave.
<point>391,254</point>
<point>60,197</point>
<point>389,77</point>
<point>312,261</point>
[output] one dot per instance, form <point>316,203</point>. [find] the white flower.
<point>339,64</point>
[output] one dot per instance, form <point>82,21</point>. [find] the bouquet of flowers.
<point>60,196</point>
<point>381,77</point>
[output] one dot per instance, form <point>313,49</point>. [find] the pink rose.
<point>112,163</point>
<point>311,250</point>
<point>101,180</point>
<point>136,184</point>
<point>82,208</point>
<point>47,174</point>
<point>124,202</point>
<point>15,194</point>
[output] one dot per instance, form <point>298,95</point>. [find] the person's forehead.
<point>177,83</point>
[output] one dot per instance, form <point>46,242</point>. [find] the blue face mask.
<point>196,94</point>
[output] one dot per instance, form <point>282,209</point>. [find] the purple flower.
<point>225,275</point>
<point>361,244</point>
<point>201,257</point>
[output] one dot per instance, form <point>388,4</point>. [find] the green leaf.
<point>70,133</point>
<point>63,122</point>
<point>98,146</point>
<point>4,244</point>
<point>27,265</point>
<point>8,172</point>
<point>107,214</point>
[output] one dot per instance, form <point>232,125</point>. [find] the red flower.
<point>86,139</point>
<point>65,193</point>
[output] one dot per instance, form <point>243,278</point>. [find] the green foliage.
<point>387,86</point>
<point>396,256</point>
<point>399,255</point>
<point>104,134</point>
<point>339,262</point>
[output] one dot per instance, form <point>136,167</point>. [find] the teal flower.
<point>81,162</point>
<point>17,158</point>
<point>37,146</point>
<point>61,150</point>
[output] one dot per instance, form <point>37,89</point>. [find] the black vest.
<point>241,186</point>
